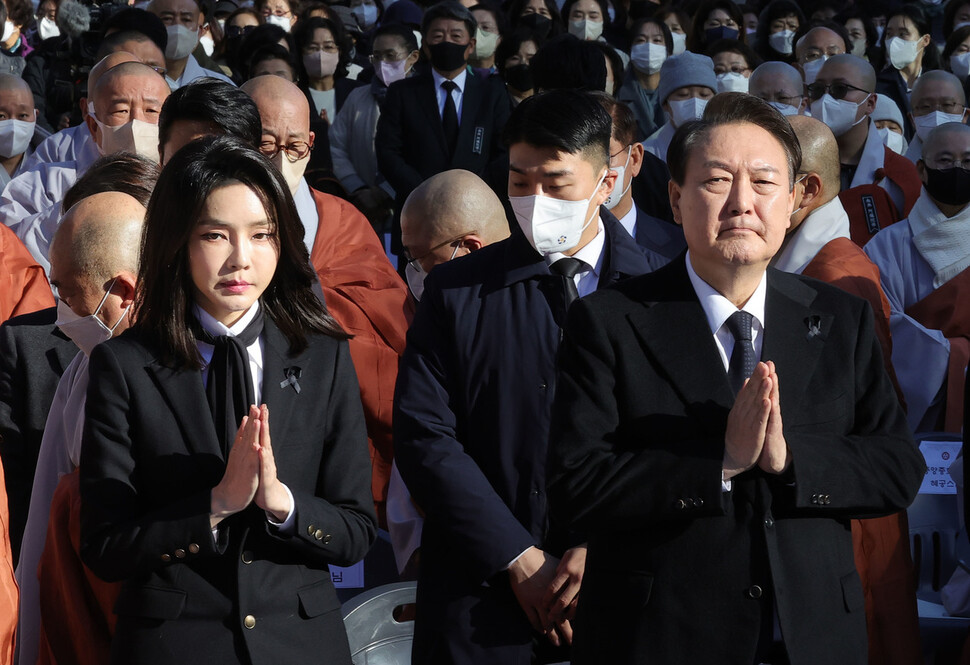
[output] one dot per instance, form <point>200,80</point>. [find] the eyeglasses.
<point>951,107</point>
<point>160,70</point>
<point>837,90</point>
<point>736,69</point>
<point>233,31</point>
<point>943,163</point>
<point>294,151</point>
<point>414,260</point>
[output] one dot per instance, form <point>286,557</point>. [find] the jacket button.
<point>318,534</point>
<point>698,502</point>
<point>828,499</point>
<point>310,529</point>
<point>166,558</point>
<point>247,556</point>
<point>193,548</point>
<point>249,621</point>
<point>680,504</point>
<point>754,591</point>
<point>180,553</point>
<point>769,522</point>
<point>815,499</point>
<point>326,539</point>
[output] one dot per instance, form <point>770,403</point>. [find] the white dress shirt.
<point>456,94</point>
<point>588,277</point>
<point>629,222</point>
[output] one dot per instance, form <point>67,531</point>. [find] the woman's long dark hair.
<point>163,306</point>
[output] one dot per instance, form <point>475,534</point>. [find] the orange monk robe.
<point>9,594</point>
<point>23,284</point>
<point>369,299</point>
<point>77,620</point>
<point>881,545</point>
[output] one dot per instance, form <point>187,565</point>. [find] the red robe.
<point>23,284</point>
<point>870,208</point>
<point>9,593</point>
<point>371,301</point>
<point>881,545</point>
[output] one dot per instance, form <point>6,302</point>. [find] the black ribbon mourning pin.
<point>292,374</point>
<point>814,324</point>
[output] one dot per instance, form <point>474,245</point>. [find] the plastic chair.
<point>937,542</point>
<point>376,637</point>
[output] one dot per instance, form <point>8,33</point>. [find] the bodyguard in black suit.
<point>33,355</point>
<point>474,391</point>
<point>423,130</point>
<point>715,427</point>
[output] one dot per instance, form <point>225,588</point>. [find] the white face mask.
<point>320,64</point>
<point>47,28</point>
<point>731,82</point>
<point>680,42</point>
<point>781,41</point>
<point>879,30</point>
<point>366,15</point>
<point>485,44</point>
<point>902,52</point>
<point>619,190</point>
<point>648,58</point>
<point>292,171</point>
<point>135,136</point>
<point>281,21</point>
<point>859,47</point>
<point>927,123</point>
<point>15,137</point>
<point>686,110</point>
<point>838,114</point>
<point>390,72</point>
<point>812,68</point>
<point>208,45</point>
<point>7,31</point>
<point>415,276</point>
<point>86,331</point>
<point>960,65</point>
<point>586,30</point>
<point>784,109</point>
<point>553,225</point>
<point>181,42</point>
<point>892,140</point>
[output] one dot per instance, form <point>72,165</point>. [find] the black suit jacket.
<point>679,571</point>
<point>411,145</point>
<point>471,419</point>
<point>149,460</point>
<point>33,355</point>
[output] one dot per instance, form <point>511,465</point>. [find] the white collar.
<point>217,328</point>
<point>629,221</point>
<point>592,252</point>
<point>192,71</point>
<point>823,225</point>
<point>458,80</point>
<point>719,309</point>
<point>873,158</point>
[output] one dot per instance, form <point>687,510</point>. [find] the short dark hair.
<point>403,32</point>
<point>20,12</point>
<point>567,62</point>
<point>734,46</point>
<point>664,30</point>
<point>774,10</point>
<point>624,120</point>
<point>112,42</point>
<point>164,302</point>
<point>261,35</point>
<point>568,7</point>
<point>216,102</point>
<point>511,43</point>
<point>731,108</point>
<point>303,35</point>
<point>570,121</point>
<point>123,172</point>
<point>273,52</point>
<point>138,20</point>
<point>451,10</point>
<point>696,37</point>
<point>957,37</point>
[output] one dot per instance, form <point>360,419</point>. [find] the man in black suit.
<point>475,386</point>
<point>33,355</point>
<point>445,118</point>
<point>716,510</point>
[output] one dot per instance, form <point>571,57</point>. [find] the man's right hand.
<point>747,423</point>
<point>531,576</point>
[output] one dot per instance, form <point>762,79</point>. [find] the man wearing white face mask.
<point>183,20</point>
<point>19,132</point>
<point>687,82</point>
<point>94,267</point>
<point>938,98</point>
<point>126,102</point>
<point>878,186</point>
<point>780,85</point>
<point>818,45</point>
<point>484,341</point>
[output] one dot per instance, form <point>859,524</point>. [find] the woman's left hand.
<point>270,494</point>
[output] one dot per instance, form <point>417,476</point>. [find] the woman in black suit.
<point>220,521</point>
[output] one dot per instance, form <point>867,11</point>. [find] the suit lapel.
<point>470,102</point>
<point>794,333</point>
<point>185,395</point>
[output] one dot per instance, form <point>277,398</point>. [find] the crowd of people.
<point>518,286</point>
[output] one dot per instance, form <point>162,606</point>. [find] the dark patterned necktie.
<point>449,117</point>
<point>742,358</point>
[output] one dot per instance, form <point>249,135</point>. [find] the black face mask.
<point>537,23</point>
<point>519,78</point>
<point>948,186</point>
<point>711,35</point>
<point>447,56</point>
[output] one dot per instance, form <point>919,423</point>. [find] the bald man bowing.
<point>715,423</point>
